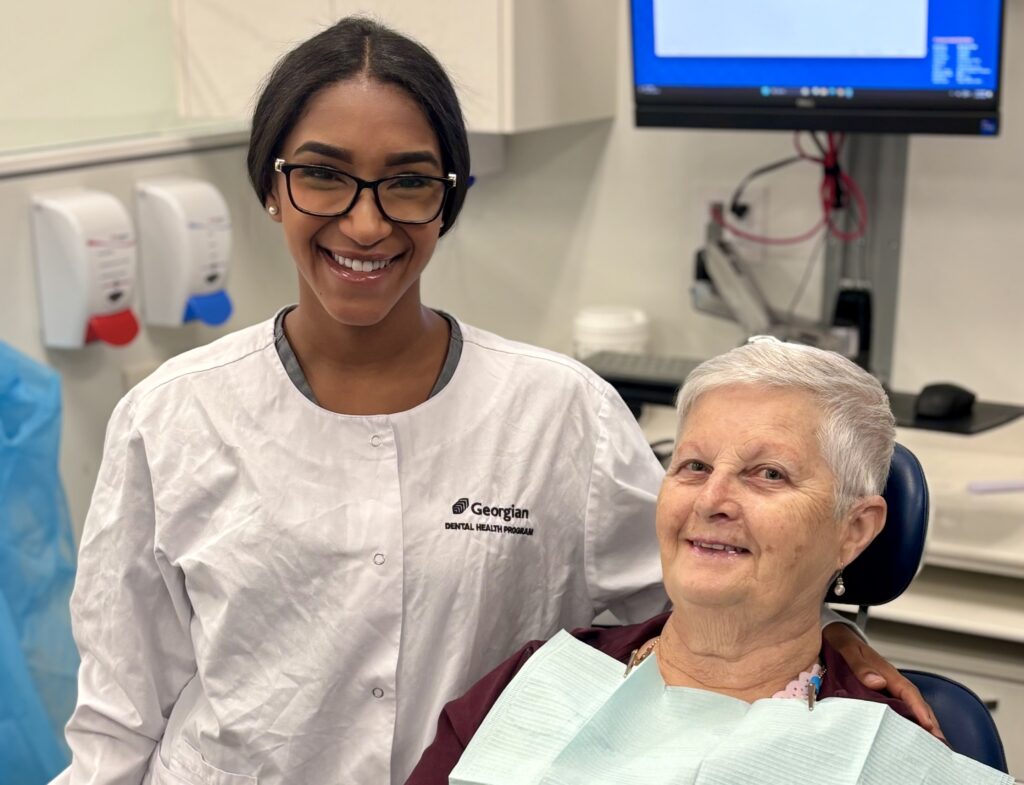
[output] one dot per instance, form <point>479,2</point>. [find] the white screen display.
<point>791,28</point>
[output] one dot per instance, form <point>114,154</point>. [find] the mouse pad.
<point>983,417</point>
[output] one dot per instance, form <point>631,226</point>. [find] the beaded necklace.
<point>806,686</point>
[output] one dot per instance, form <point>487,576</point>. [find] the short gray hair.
<point>858,430</point>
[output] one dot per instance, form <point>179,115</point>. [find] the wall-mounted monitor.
<point>889,66</point>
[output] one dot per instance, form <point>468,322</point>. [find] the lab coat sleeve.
<point>130,616</point>
<point>623,567</point>
<point>829,616</point>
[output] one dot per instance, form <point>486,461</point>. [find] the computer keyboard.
<point>642,378</point>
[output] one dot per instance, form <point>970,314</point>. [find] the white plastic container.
<point>610,328</point>
<point>185,233</point>
<point>85,268</point>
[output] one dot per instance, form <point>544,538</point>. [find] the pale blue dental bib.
<point>570,717</point>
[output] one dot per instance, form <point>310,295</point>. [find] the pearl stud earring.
<point>272,210</point>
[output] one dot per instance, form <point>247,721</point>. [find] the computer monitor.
<point>888,66</point>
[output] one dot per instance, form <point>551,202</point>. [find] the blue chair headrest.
<point>887,566</point>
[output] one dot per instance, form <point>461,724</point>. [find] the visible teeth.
<point>717,546</point>
<point>359,265</point>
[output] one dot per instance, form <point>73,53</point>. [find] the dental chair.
<point>883,572</point>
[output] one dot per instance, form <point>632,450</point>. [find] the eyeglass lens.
<point>405,197</point>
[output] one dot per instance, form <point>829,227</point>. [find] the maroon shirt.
<point>461,717</point>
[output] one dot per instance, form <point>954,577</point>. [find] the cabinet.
<point>518,65</point>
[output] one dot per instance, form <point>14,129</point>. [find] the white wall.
<point>262,279</point>
<point>598,213</point>
<point>85,70</point>
<point>961,305</point>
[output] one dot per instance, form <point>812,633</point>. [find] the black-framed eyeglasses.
<point>328,193</point>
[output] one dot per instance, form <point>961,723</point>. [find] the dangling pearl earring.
<point>840,588</point>
<point>272,210</point>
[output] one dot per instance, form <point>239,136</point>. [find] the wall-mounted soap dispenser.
<point>85,268</point>
<point>185,243</point>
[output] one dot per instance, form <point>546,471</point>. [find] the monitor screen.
<point>893,66</point>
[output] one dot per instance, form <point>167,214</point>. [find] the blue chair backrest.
<point>888,565</point>
<point>884,571</point>
<point>963,716</point>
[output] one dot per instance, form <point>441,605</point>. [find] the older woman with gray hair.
<point>775,484</point>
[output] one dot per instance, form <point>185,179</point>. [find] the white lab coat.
<point>271,592</point>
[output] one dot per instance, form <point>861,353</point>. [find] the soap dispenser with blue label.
<point>184,247</point>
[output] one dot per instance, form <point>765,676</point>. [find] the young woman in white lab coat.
<point>309,535</point>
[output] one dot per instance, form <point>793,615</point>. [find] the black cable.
<point>818,144</point>
<point>834,173</point>
<point>818,248</point>
<point>736,207</point>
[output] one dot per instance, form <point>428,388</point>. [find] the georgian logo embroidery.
<point>507,513</point>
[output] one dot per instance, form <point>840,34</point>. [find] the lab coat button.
<point>376,441</point>
<point>378,558</point>
<point>378,692</point>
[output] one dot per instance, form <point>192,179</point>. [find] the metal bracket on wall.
<point>879,165</point>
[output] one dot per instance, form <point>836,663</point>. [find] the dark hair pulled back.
<point>358,46</point>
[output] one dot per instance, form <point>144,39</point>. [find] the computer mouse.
<point>943,401</point>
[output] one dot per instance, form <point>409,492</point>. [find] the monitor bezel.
<point>778,115</point>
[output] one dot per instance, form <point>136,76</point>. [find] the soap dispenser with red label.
<point>85,268</point>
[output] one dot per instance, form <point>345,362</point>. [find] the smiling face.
<point>745,514</point>
<point>357,268</point>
